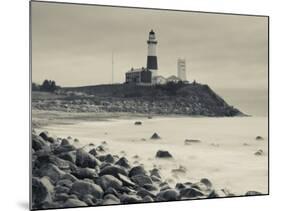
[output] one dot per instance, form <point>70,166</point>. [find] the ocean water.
<point>225,154</point>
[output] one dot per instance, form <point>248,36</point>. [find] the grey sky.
<point>72,44</point>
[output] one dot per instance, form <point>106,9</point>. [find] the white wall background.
<point>14,111</point>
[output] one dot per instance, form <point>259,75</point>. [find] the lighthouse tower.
<point>151,55</point>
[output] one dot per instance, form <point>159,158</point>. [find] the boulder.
<point>85,159</point>
<point>69,156</point>
<point>259,138</point>
<point>113,170</point>
<point>74,203</point>
<point>147,199</point>
<point>180,170</point>
<point>137,170</point>
<point>165,187</point>
<point>138,123</point>
<point>65,142</point>
<point>112,191</point>
<point>168,195</point>
<point>150,187</point>
<point>64,148</point>
<point>207,183</point>
<point>155,179</point>
<point>155,136</point>
<point>81,188</point>
<point>104,164</point>
<point>188,193</point>
<point>70,177</point>
<point>52,140</point>
<point>88,199</point>
<point>107,181</point>
<point>65,183</point>
<point>126,180</point>
<point>52,171</point>
<point>259,152</point>
<point>143,192</point>
<point>61,197</point>
<point>191,141</point>
<point>38,143</point>
<point>110,199</point>
<point>213,194</point>
<point>41,191</point>
<point>155,172</point>
<point>61,189</point>
<point>180,186</point>
<point>106,158</point>
<point>123,162</point>
<point>226,193</point>
<point>100,148</point>
<point>51,205</point>
<point>47,183</point>
<point>141,180</point>
<point>84,173</point>
<point>253,193</point>
<point>52,159</point>
<point>44,135</point>
<point>129,199</point>
<point>93,152</point>
<point>163,154</point>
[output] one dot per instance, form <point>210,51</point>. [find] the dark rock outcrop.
<point>85,159</point>
<point>191,141</point>
<point>107,181</point>
<point>141,180</point>
<point>123,162</point>
<point>163,154</point>
<point>74,203</point>
<point>113,170</point>
<point>41,190</point>
<point>137,170</point>
<point>155,136</point>
<point>81,188</point>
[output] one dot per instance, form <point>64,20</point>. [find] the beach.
<point>225,151</point>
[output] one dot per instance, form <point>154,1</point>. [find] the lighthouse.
<point>151,54</point>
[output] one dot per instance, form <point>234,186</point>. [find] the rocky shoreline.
<point>188,100</point>
<point>64,175</point>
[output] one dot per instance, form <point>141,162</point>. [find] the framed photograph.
<point>146,105</point>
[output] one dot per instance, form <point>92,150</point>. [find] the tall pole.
<point>112,76</point>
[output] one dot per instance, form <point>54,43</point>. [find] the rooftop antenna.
<point>112,68</point>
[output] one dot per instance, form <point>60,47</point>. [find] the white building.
<point>182,69</point>
<point>174,79</point>
<point>159,80</point>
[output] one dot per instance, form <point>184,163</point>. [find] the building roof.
<point>132,70</point>
<point>173,77</point>
<point>160,76</point>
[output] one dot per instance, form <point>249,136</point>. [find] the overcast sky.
<point>73,45</point>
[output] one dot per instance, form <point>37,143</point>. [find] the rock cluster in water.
<point>66,176</point>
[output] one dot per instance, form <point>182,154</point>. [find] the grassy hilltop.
<point>172,98</point>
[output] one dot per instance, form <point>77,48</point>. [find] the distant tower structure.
<point>182,69</point>
<point>112,68</point>
<point>151,55</point>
